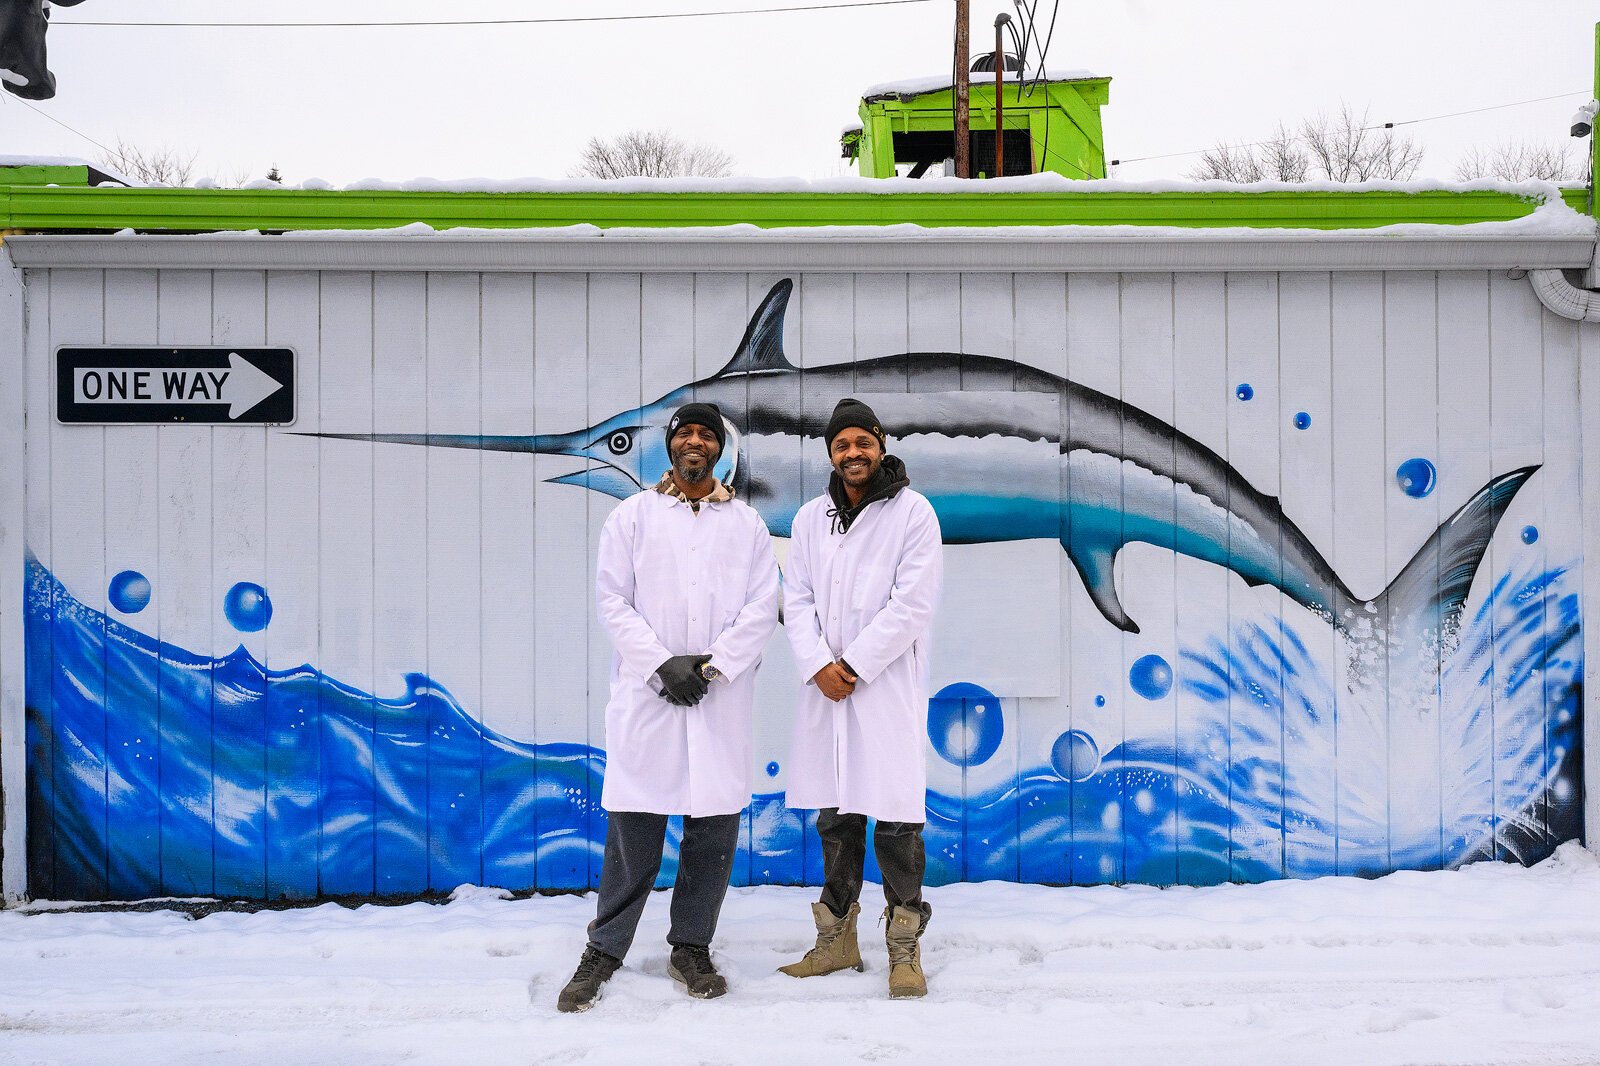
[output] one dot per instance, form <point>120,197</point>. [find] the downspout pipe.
<point>1563,297</point>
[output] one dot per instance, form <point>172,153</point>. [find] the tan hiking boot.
<point>905,952</point>
<point>836,945</point>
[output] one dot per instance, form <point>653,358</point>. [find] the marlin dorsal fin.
<point>762,346</point>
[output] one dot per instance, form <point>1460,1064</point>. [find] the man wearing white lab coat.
<point>687,589</point>
<point>862,582</point>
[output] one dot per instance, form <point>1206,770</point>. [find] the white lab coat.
<point>670,582</point>
<point>867,596</point>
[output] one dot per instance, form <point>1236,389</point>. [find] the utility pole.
<point>963,132</point>
<point>999,97</point>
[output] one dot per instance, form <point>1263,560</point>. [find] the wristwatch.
<point>709,672</point>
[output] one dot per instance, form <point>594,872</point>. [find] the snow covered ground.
<point>1490,964</point>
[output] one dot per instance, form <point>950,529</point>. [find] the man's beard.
<point>693,469</point>
<point>870,470</point>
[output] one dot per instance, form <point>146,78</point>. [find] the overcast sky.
<point>773,90</point>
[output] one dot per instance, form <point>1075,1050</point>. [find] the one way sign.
<point>206,386</point>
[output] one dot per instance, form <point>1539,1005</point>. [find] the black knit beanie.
<point>853,413</point>
<point>699,413</point>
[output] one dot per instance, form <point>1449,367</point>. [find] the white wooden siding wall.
<point>1148,574</point>
<point>1040,335</point>
<point>1465,412</point>
<point>1588,424</point>
<point>471,568</point>
<point>508,595</point>
<point>1305,383</point>
<point>13,754</point>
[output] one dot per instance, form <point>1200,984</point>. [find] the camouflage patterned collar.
<point>720,493</point>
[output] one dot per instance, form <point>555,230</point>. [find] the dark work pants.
<point>632,860</point>
<point>898,846</point>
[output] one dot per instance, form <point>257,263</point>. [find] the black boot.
<point>594,970</point>
<point>691,967</point>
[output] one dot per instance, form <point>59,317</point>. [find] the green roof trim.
<point>165,210</point>
<point>44,175</point>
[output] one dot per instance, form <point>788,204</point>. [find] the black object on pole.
<point>963,118</point>
<point>999,97</point>
<point>23,25</point>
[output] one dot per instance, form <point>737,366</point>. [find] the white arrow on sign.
<point>242,386</point>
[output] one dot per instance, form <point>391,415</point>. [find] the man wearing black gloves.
<point>687,586</point>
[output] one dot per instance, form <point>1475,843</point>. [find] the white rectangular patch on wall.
<point>997,460</point>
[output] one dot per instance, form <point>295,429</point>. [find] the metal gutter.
<point>651,252</point>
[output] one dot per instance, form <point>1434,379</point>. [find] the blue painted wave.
<point>155,771</point>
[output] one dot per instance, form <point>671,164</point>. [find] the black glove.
<point>681,682</point>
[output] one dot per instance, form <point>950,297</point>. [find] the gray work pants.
<point>632,860</point>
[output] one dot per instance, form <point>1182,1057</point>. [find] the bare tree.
<point>162,165</point>
<point>1521,160</point>
<point>1343,147</point>
<point>651,154</point>
<point>1279,159</point>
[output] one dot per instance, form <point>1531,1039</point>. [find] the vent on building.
<point>985,63</point>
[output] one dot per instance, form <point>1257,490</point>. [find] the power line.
<point>1477,110</point>
<point>499,22</point>
<point>1375,126</point>
<point>19,100</point>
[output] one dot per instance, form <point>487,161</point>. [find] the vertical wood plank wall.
<point>425,706</point>
<point>13,577</point>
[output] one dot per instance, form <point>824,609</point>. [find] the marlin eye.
<point>620,442</point>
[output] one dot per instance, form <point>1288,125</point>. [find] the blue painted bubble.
<point>964,724</point>
<point>1151,677</point>
<point>1416,477</point>
<point>1099,701</point>
<point>1530,534</point>
<point>772,769</point>
<point>1075,755</point>
<point>129,592</point>
<point>1302,421</point>
<point>1244,391</point>
<point>247,607</point>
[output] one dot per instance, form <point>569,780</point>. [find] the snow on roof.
<point>1026,183</point>
<point>1546,192</point>
<point>935,82</point>
<point>1554,218</point>
<point>43,161</point>
<point>64,161</point>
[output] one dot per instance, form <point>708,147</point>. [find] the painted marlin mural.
<point>1117,475</point>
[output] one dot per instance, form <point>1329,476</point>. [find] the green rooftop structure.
<point>1052,125</point>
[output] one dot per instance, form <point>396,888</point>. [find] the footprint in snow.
<point>1389,1021</point>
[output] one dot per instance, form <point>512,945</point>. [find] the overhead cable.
<point>19,100</point>
<point>1374,126</point>
<point>496,22</point>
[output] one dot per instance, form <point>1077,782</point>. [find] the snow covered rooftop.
<point>1027,183</point>
<point>97,170</point>
<point>7,160</point>
<point>935,82</point>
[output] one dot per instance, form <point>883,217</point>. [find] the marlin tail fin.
<point>1428,594</point>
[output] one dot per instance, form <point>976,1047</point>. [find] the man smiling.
<point>687,587</point>
<point>863,579</point>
